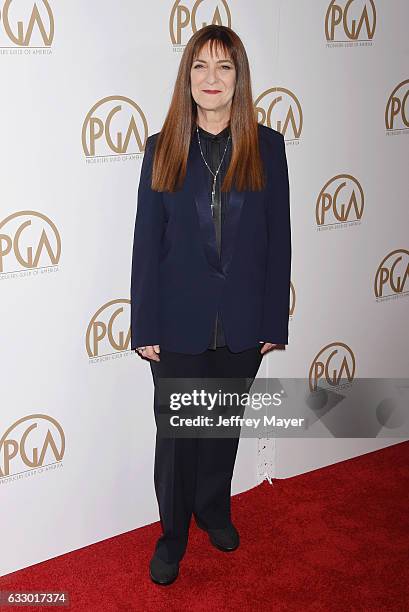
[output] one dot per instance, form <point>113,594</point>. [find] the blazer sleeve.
<point>149,226</point>
<point>276,307</point>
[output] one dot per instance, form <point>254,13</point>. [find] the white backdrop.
<point>84,84</point>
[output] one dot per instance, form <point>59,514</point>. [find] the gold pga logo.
<point>397,108</point>
<point>340,201</point>
<point>349,20</point>
<point>292,299</point>
<point>280,109</point>
<point>28,240</point>
<point>27,23</point>
<point>114,126</point>
<point>109,329</point>
<point>186,20</point>
<point>333,362</point>
<point>34,441</point>
<point>391,277</point>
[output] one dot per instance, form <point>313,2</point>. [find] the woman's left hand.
<point>267,346</point>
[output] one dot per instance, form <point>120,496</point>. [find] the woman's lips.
<point>212,91</point>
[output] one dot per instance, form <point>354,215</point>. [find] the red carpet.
<point>332,539</point>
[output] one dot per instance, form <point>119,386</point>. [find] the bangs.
<point>217,47</point>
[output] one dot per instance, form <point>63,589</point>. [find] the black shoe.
<point>161,572</point>
<point>226,539</point>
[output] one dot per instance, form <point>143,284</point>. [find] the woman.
<point>210,271</point>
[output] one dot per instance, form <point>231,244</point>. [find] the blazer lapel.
<point>200,184</point>
<point>229,230</point>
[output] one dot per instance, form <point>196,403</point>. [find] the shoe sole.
<point>216,545</point>
<point>163,583</point>
<point>222,548</point>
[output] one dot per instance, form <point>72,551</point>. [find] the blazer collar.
<point>199,182</point>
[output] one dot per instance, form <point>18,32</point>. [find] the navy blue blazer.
<point>178,280</point>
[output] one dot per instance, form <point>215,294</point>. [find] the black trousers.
<point>193,475</point>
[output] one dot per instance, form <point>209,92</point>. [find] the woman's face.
<point>213,79</point>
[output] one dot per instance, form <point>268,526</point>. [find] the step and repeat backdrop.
<point>84,84</point>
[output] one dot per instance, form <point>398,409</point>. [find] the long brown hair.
<point>245,170</point>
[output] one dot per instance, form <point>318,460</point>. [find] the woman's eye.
<point>223,66</point>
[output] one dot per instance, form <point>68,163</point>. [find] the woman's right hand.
<point>151,352</point>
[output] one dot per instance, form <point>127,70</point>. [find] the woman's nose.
<point>211,76</point>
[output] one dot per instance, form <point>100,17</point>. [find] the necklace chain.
<point>210,170</point>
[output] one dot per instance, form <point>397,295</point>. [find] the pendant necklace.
<point>210,170</point>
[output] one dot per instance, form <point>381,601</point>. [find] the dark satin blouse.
<point>213,146</point>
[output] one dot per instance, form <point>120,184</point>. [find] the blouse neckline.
<point>220,136</point>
